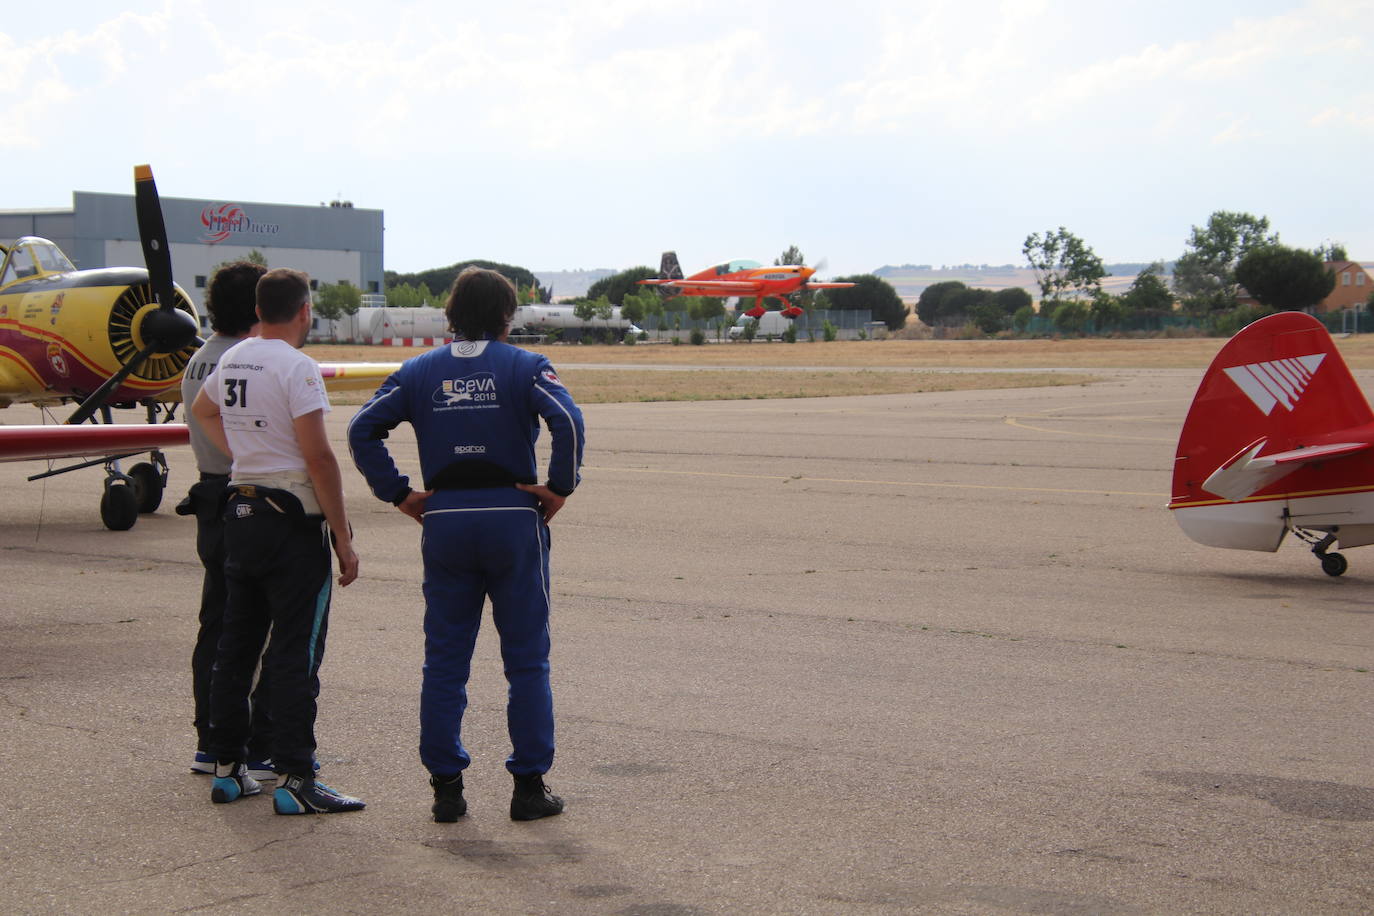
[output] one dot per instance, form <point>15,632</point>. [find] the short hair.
<point>481,303</point>
<point>282,293</point>
<point>232,296</point>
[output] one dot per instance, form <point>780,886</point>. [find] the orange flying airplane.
<point>105,338</point>
<point>742,278</point>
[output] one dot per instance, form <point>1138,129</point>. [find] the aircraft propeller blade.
<point>165,329</point>
<point>173,328</point>
<point>97,398</point>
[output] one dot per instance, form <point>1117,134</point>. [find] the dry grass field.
<point>662,372</point>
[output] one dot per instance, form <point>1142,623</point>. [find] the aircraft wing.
<point>356,376</point>
<point>718,286</point>
<point>1249,471</point>
<point>25,443</point>
<point>810,285</point>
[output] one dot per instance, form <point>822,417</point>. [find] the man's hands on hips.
<point>414,504</point>
<point>549,501</point>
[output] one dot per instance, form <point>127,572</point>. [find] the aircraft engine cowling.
<point>126,334</point>
<point>77,330</point>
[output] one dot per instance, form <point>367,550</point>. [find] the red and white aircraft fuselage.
<point>1279,438</point>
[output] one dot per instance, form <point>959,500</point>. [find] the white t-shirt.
<point>262,386</point>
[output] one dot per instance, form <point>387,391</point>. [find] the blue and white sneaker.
<point>232,782</point>
<point>203,763</point>
<point>304,795</point>
<point>262,770</point>
<point>265,771</point>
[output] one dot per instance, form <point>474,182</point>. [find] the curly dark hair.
<point>481,303</point>
<point>231,297</point>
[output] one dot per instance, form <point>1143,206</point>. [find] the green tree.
<point>1013,298</point>
<point>1286,279</point>
<point>792,255</point>
<point>1107,311</point>
<point>404,296</point>
<point>1070,317</point>
<point>931,307</point>
<point>587,309</point>
<point>441,278</point>
<point>978,306</point>
<point>1331,251</point>
<point>617,286</point>
<point>1205,274</point>
<point>874,294</point>
<point>1022,318</point>
<point>335,300</point>
<point>252,257</point>
<point>632,309</point>
<point>1149,292</point>
<point>1063,264</point>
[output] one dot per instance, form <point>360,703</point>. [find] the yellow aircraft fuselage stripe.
<point>1302,494</point>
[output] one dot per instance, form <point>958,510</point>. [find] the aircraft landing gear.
<point>1333,564</point>
<point>119,503</point>
<point>149,480</point>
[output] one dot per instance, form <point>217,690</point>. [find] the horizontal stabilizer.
<point>1249,472</point>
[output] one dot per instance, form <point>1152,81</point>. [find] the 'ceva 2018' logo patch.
<point>468,393</point>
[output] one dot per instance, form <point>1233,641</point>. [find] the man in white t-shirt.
<point>264,405</point>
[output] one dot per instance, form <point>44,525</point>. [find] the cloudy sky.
<point>563,135</point>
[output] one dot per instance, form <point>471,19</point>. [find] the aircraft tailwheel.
<point>1333,564</point>
<point>147,486</point>
<point>119,505</point>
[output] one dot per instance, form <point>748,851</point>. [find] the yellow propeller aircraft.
<point>115,337</point>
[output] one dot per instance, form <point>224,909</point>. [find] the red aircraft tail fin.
<point>1278,414</point>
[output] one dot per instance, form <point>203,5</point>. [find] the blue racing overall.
<point>475,407</point>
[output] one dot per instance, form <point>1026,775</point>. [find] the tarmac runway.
<point>927,653</point>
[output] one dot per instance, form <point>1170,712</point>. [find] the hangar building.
<point>331,243</point>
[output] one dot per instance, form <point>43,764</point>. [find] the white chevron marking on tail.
<point>1281,381</point>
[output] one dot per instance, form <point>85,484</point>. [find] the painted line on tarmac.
<point>1016,422</point>
<point>880,483</point>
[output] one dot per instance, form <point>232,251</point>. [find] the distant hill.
<point>911,279</point>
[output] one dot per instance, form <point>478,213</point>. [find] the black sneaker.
<point>232,782</point>
<point>304,795</point>
<point>449,804</point>
<point>533,800</point>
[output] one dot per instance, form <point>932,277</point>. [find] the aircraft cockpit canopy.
<point>31,256</point>
<point>738,264</point>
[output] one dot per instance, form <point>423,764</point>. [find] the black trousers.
<point>207,502</point>
<point>277,572</point>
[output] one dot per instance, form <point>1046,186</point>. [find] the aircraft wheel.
<point>119,507</point>
<point>147,486</point>
<point>1333,564</point>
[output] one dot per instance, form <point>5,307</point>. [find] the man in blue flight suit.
<point>475,406</point>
